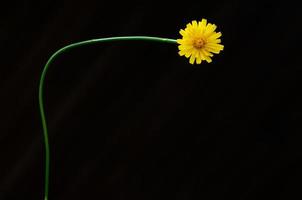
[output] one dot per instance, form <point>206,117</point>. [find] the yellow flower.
<point>199,41</point>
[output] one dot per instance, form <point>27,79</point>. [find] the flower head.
<point>199,41</point>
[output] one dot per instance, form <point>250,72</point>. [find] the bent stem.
<point>42,80</point>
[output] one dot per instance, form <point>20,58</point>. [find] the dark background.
<point>133,120</point>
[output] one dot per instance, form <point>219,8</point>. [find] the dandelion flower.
<point>199,41</point>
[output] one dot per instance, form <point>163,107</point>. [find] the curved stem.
<point>42,80</point>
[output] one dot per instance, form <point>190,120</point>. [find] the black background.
<point>133,120</point>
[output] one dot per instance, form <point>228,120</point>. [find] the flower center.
<point>198,43</point>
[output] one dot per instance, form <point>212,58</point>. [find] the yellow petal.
<point>182,53</point>
<point>188,53</point>
<point>189,26</point>
<point>190,31</point>
<point>209,29</point>
<point>217,41</point>
<point>184,41</point>
<point>205,57</point>
<point>185,47</point>
<point>194,24</point>
<point>215,46</point>
<point>198,60</point>
<point>214,36</point>
<point>213,50</point>
<point>203,23</point>
<point>212,27</point>
<point>208,59</point>
<point>207,53</point>
<point>182,32</point>
<point>179,41</point>
<point>192,59</point>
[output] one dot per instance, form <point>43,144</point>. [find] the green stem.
<point>42,80</point>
